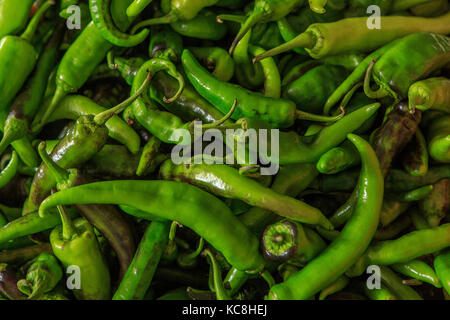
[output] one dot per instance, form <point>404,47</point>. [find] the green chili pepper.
<point>430,93</point>
<point>442,266</point>
<point>227,182</point>
<point>338,159</point>
<point>382,293</point>
<point>436,205</point>
<point>406,248</point>
<point>389,71</point>
<point>10,170</point>
<point>290,241</point>
<point>75,244</point>
<point>100,13</point>
<point>336,286</point>
<point>298,71</point>
<point>164,38</point>
<point>353,34</point>
<point>413,195</point>
<point>140,273</point>
<point>13,16</point>
<point>189,260</point>
<point>438,139</point>
<point>216,59</point>
<point>189,205</point>
<point>19,55</point>
<point>203,26</point>
<point>278,112</point>
<point>394,284</point>
<point>42,276</point>
<point>305,92</point>
<point>352,241</point>
<point>419,270</point>
<point>221,293</point>
<point>107,219</point>
<point>27,102</point>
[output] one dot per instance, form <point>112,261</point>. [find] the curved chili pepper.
<point>278,112</point>
<point>10,170</point>
<point>442,267</point>
<point>75,243</point>
<point>27,102</point>
<point>42,276</point>
<point>338,159</point>
<point>221,293</point>
<point>164,38</point>
<point>240,249</point>
<point>225,181</point>
<point>419,270</point>
<point>438,138</point>
<point>388,252</point>
<point>216,59</point>
<point>290,241</point>
<point>189,260</point>
<point>394,77</point>
<point>140,273</point>
<point>100,13</point>
<point>356,33</point>
<point>431,93</point>
<point>352,241</point>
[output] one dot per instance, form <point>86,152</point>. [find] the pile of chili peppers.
<point>96,95</point>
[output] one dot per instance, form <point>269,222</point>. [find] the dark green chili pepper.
<point>395,134</point>
<point>322,39</point>
<point>305,92</point>
<point>21,255</point>
<point>348,61</point>
<point>290,241</point>
<point>417,269</point>
<point>140,273</point>
<point>436,205</point>
<point>42,276</point>
<point>431,93</point>
<point>8,283</point>
<point>442,267</point>
<point>164,38</point>
<point>298,71</point>
<point>203,26</point>
<point>278,112</point>
<point>75,106</point>
<point>438,139</point>
<point>215,59</point>
<point>107,219</point>
<point>352,241</point>
<point>215,272</point>
<point>389,71</point>
<point>75,243</point>
<point>415,155</point>
<point>182,202</point>
<point>413,195</point>
<point>100,13</point>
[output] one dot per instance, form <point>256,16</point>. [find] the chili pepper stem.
<point>230,17</point>
<point>180,80</point>
<point>224,118</point>
<point>68,227</point>
<point>304,40</point>
<point>380,93</point>
<point>14,132</point>
<point>103,117</point>
<point>60,93</point>
<point>253,19</point>
<point>221,293</point>
<point>268,278</point>
<point>169,18</point>
<point>34,23</point>
<point>198,251</point>
<point>301,115</point>
<point>58,172</point>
